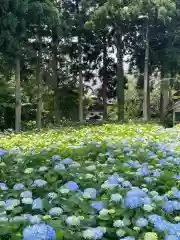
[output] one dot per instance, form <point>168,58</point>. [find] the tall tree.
<point>13,33</point>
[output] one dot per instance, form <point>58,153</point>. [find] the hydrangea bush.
<point>102,188</point>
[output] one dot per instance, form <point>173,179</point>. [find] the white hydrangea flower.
<point>73,221</point>
<point>28,170</point>
<point>27,200</point>
<point>148,208</point>
<point>120,233</point>
<point>104,212</point>
<point>64,190</point>
<point>118,224</point>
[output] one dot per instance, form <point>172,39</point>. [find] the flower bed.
<point>127,189</point>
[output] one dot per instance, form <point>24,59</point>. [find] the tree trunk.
<point>105,80</point>
<point>164,98</point>
<point>55,74</point>
<point>120,76</point>
<point>81,89</point>
<point>81,85</point>
<point>18,97</point>
<point>39,85</point>
<point>146,75</point>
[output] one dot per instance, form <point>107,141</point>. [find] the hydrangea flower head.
<point>3,186</point>
<point>59,167</point>
<point>27,201</point>
<point>18,186</point>
<point>92,192</point>
<point>52,195</point>
<point>116,197</point>
<point>71,186</point>
<point>141,222</point>
<point>39,183</point>
<point>72,221</point>
<point>37,204</point>
<point>97,205</point>
<point>93,233</point>
<point>67,161</point>
<point>28,170</point>
<point>11,204</point>
<point>39,232</point>
<point>3,152</point>
<point>150,236</point>
<point>35,219</point>
<point>26,194</point>
<point>43,169</point>
<point>120,233</point>
<point>75,165</point>
<point>118,224</point>
<point>56,158</point>
<point>176,194</point>
<point>55,211</point>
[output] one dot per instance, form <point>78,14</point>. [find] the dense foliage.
<point>101,182</point>
<point>58,51</point>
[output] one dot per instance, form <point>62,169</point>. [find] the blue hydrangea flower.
<point>93,233</point>
<point>37,204</point>
<point>67,161</point>
<point>113,179</point>
<point>11,203</point>
<point>3,186</point>
<point>172,237</point>
<point>168,207</point>
<point>133,202</point>
<point>2,152</point>
<point>56,158</point>
<point>161,225</point>
<point>141,222</point>
<point>92,192</point>
<point>153,218</point>
<point>71,186</point>
<point>126,184</point>
<point>97,205</point>
<point>148,179</point>
<point>59,167</point>
<point>39,232</point>
<point>144,171</point>
<point>18,186</point>
<point>55,211</point>
<point>26,194</point>
<point>176,193</point>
